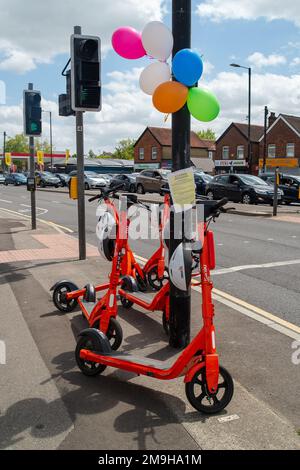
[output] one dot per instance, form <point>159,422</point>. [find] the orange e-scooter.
<point>208,386</point>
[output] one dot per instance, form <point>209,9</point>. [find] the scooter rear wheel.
<point>125,302</point>
<point>59,300</point>
<point>114,333</point>
<point>199,397</point>
<point>154,280</point>
<point>87,367</point>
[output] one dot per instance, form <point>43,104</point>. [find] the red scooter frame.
<point>198,363</point>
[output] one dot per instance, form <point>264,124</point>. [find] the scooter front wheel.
<point>59,298</point>
<point>125,302</point>
<point>202,400</point>
<point>87,367</point>
<point>114,333</point>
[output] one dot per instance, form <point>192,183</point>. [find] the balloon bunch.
<point>156,41</point>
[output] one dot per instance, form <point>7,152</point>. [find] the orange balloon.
<point>169,97</point>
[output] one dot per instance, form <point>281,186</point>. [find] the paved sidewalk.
<point>48,403</point>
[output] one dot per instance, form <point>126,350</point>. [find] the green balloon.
<point>202,104</point>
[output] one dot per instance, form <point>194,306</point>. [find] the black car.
<point>63,177</point>
<point>247,189</point>
<point>45,178</point>
<point>289,185</point>
<point>17,179</point>
<point>128,181</point>
<point>201,182</point>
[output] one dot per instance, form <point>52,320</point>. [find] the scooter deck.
<point>143,296</point>
<point>88,306</point>
<point>143,361</point>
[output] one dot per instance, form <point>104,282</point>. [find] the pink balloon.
<point>127,42</point>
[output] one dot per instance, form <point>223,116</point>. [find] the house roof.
<point>164,137</point>
<point>255,133</point>
<point>293,122</point>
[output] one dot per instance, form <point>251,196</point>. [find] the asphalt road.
<point>257,258</point>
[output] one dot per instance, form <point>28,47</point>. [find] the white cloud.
<point>220,10</point>
<point>295,62</point>
<point>35,31</point>
<point>280,93</point>
<point>259,60</point>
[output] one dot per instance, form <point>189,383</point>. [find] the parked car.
<point>91,179</point>
<point>2,178</point>
<point>128,181</point>
<point>247,189</point>
<point>289,185</point>
<point>63,177</point>
<point>45,178</point>
<point>15,178</point>
<point>151,181</point>
<point>201,182</point>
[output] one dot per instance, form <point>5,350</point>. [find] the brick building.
<point>232,148</point>
<point>153,149</point>
<point>282,143</point>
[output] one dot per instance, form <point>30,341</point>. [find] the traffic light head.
<point>32,113</point>
<point>85,73</point>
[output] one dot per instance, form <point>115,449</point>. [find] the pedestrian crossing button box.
<point>31,184</point>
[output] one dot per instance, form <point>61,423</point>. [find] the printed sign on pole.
<point>182,187</point>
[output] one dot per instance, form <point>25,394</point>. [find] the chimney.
<point>272,119</point>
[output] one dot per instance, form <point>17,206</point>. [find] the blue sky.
<point>225,31</point>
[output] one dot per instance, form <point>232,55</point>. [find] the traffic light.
<point>85,73</point>
<point>32,113</point>
<point>64,100</point>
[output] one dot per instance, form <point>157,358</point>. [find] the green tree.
<point>207,135</point>
<point>92,154</point>
<point>125,149</point>
<point>43,145</point>
<point>18,143</point>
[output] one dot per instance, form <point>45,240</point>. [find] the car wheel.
<point>247,199</point>
<point>86,186</point>
<point>42,184</point>
<point>140,189</point>
<point>132,188</point>
<point>210,195</point>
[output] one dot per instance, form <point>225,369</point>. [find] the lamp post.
<point>249,112</point>
<point>265,138</point>
<point>51,150</point>
<point>4,145</point>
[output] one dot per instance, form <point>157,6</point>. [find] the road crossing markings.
<point>4,200</point>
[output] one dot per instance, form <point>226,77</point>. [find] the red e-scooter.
<point>209,387</point>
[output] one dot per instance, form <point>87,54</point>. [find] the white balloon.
<point>154,75</point>
<point>157,40</point>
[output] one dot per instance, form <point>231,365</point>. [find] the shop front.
<point>231,166</point>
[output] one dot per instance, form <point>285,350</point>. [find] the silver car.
<point>92,179</point>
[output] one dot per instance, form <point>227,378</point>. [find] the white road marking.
<point>42,211</point>
<point>226,419</point>
<point>294,236</point>
<point>55,202</point>
<point>270,239</point>
<point>274,264</point>
<point>246,241</point>
<point>57,227</point>
<point>4,200</point>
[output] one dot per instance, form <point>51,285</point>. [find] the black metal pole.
<point>275,202</point>
<point>31,172</point>
<point>4,150</point>
<point>180,302</point>
<point>265,138</point>
<point>51,150</point>
<point>249,122</point>
<point>80,177</point>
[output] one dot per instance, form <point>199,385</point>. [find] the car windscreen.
<point>253,180</point>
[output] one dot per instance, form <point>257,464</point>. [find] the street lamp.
<point>249,112</point>
<point>51,153</point>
